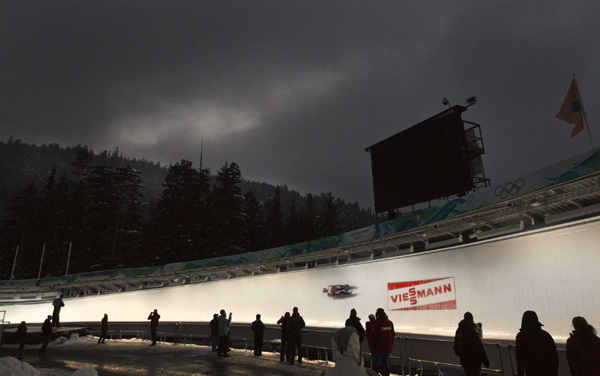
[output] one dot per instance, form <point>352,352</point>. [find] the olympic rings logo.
<point>509,189</point>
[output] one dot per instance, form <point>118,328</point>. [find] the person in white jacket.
<point>346,355</point>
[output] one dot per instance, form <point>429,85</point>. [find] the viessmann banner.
<point>437,293</point>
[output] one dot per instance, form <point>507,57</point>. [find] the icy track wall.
<point>553,271</point>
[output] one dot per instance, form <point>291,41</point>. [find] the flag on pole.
<point>571,109</point>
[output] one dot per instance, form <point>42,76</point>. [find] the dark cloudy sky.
<point>293,91</point>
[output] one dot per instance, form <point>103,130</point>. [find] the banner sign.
<point>427,294</point>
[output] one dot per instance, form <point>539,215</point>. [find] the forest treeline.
<point>115,212</point>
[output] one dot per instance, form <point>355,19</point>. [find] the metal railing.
<point>439,364</point>
<point>513,362</point>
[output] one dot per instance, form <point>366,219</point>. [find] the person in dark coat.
<point>536,350</point>
<point>383,344</point>
<point>58,304</point>
<point>46,333</point>
<point>214,332</point>
<point>370,335</point>
<point>21,335</point>
<point>103,329</point>
<point>469,348</point>
<point>295,333</point>
<point>259,330</point>
<point>284,321</point>
<point>583,349</point>
<point>154,317</point>
<point>354,321</point>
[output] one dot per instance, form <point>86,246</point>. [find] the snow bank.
<point>88,370</point>
<point>10,366</point>
<point>64,341</point>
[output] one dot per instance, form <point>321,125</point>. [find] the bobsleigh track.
<point>552,270</point>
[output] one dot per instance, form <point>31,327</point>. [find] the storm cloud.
<point>294,91</point>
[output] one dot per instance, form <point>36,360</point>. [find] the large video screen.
<point>422,163</point>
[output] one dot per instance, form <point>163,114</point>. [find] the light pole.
<point>68,258</point>
<point>12,273</point>
<point>42,261</point>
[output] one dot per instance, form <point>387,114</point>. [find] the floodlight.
<point>501,231</point>
<point>398,252</point>
<point>444,243</point>
<point>592,209</point>
<point>355,260</point>
<point>471,101</point>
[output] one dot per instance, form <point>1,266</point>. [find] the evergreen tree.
<point>127,239</point>
<point>275,221</point>
<point>52,216</point>
<point>20,229</point>
<point>228,213</point>
<point>78,198</point>
<point>98,206</point>
<point>330,223</point>
<point>95,244</point>
<point>183,214</point>
<point>308,219</point>
<point>254,224</point>
<point>151,240</point>
<point>292,226</point>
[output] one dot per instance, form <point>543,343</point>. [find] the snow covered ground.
<point>10,366</point>
<point>83,356</point>
<point>135,357</point>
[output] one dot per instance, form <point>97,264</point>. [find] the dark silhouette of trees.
<point>329,223</point>
<point>117,215</point>
<point>254,225</point>
<point>309,219</point>
<point>183,214</point>
<point>228,232</point>
<point>275,221</point>
<point>292,227</point>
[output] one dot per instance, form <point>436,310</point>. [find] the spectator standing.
<point>46,333</point>
<point>295,336</point>
<point>284,321</point>
<point>214,332</point>
<point>536,350</point>
<point>383,337</point>
<point>370,335</point>
<point>259,331</point>
<point>468,346</point>
<point>583,349</point>
<point>154,317</point>
<point>58,304</point>
<point>21,334</point>
<point>346,354</point>
<point>224,334</point>
<point>103,329</point>
<point>354,321</point>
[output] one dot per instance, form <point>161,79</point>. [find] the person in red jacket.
<point>154,317</point>
<point>370,335</point>
<point>383,342</point>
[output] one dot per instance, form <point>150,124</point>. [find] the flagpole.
<point>583,113</point>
